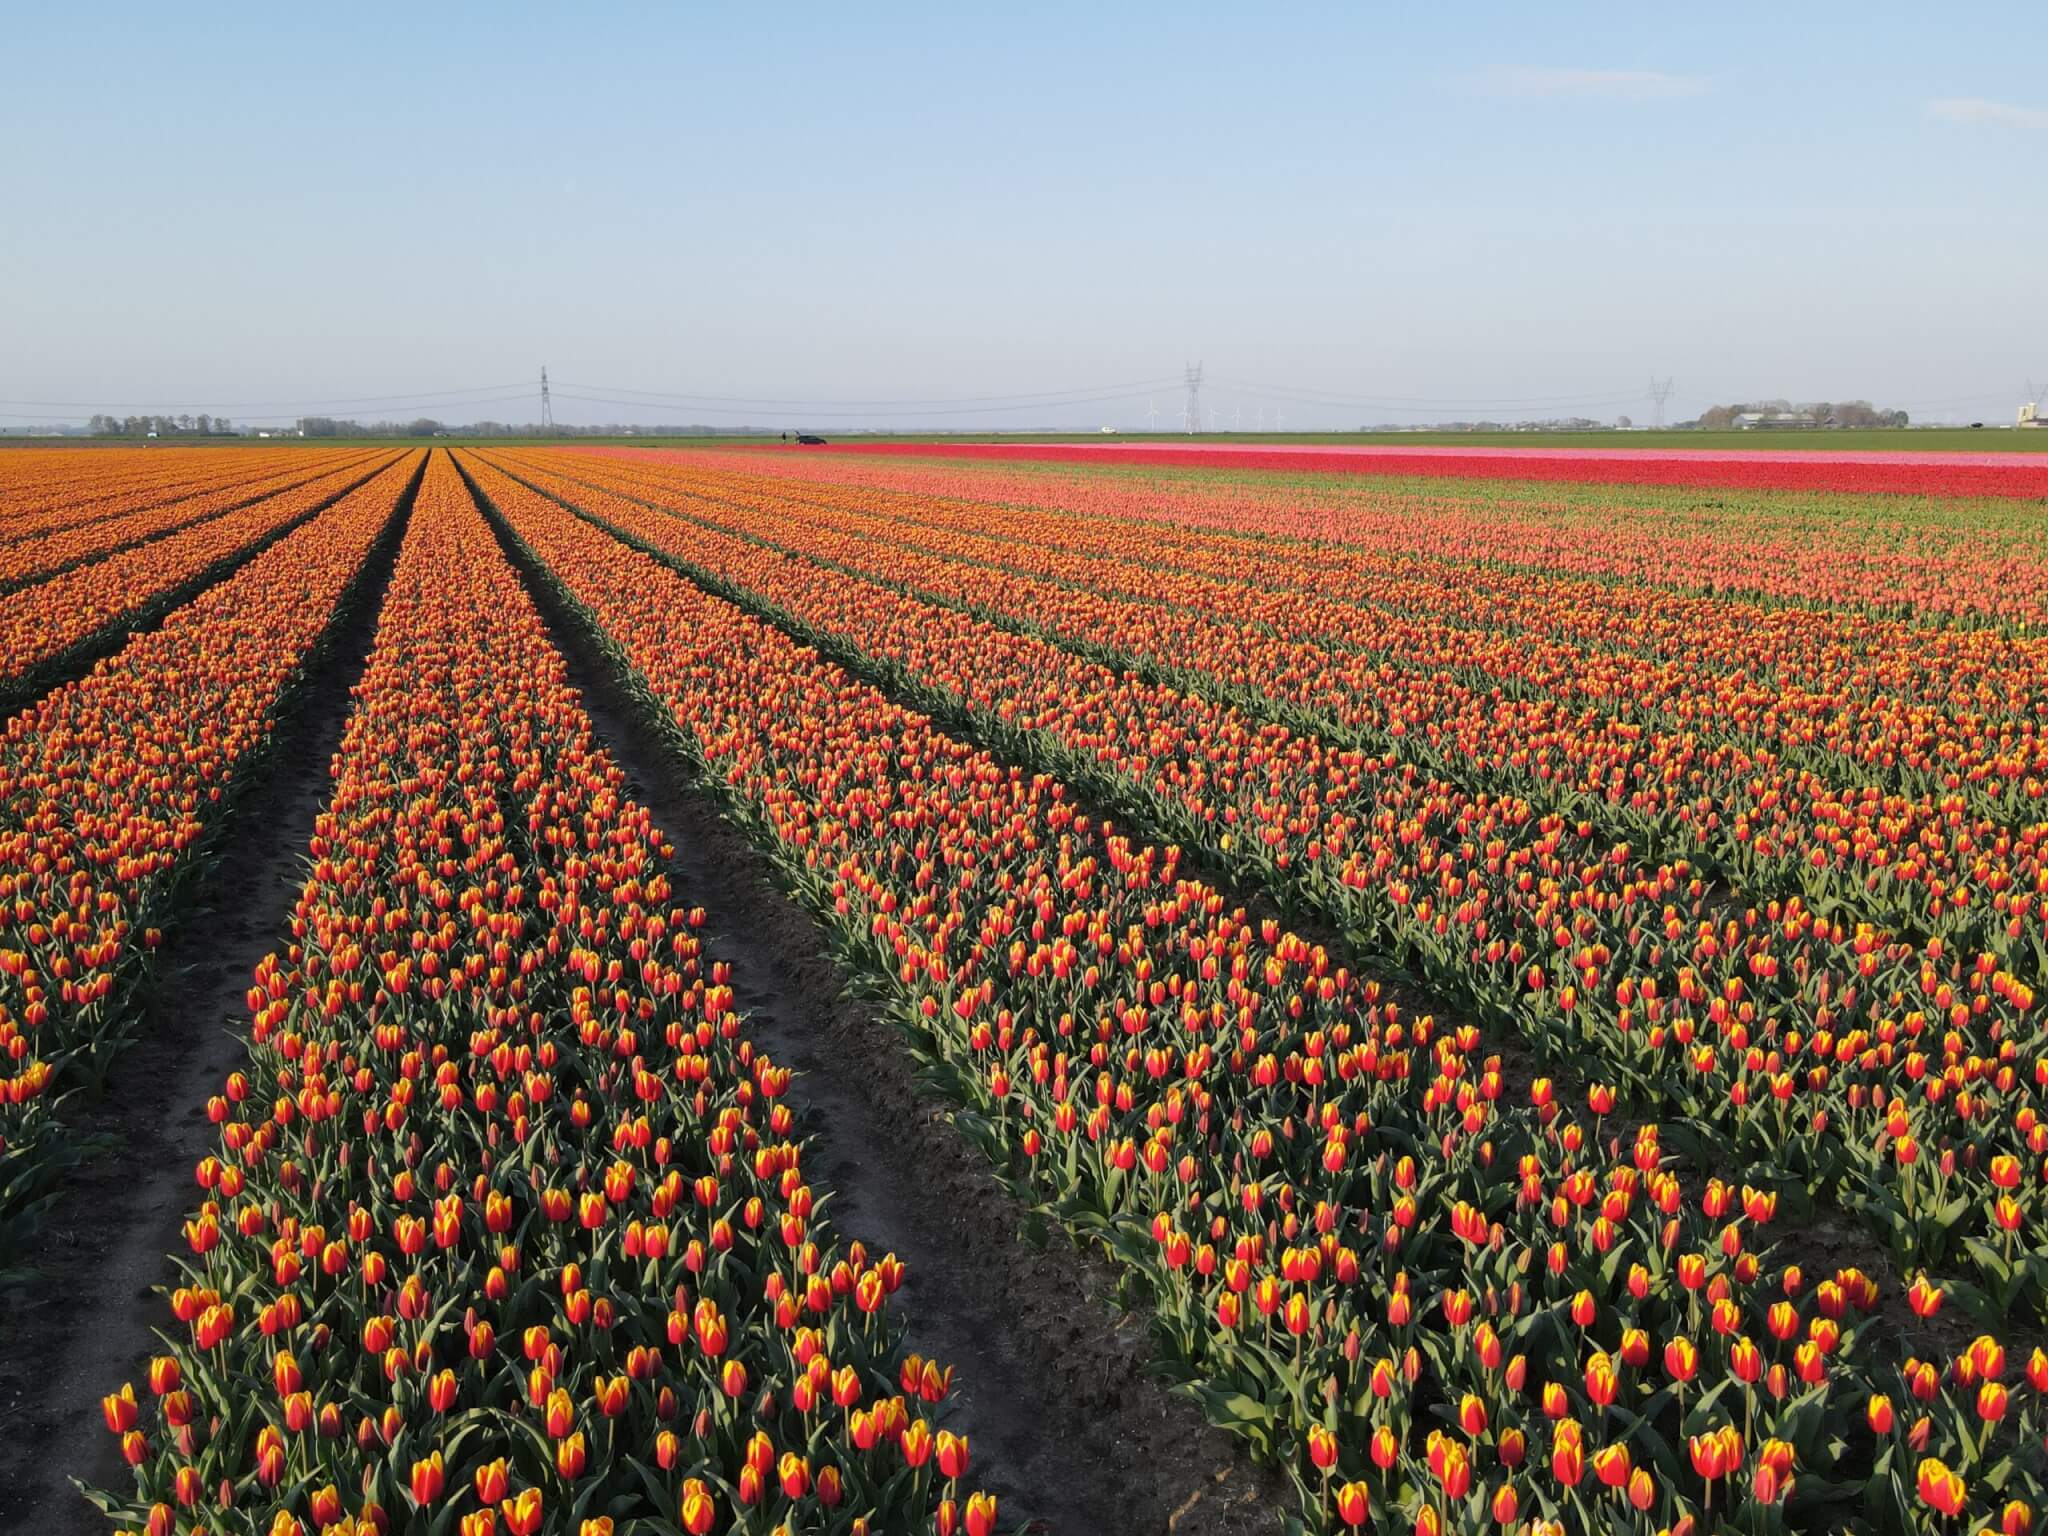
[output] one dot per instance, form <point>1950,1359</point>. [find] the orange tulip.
<point>1353,1506</point>
<point>491,1481</point>
<point>1940,1489</point>
<point>916,1443</point>
<point>698,1509</point>
<point>120,1410</point>
<point>428,1479</point>
<point>522,1512</point>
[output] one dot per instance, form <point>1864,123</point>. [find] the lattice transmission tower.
<point>1660,391</point>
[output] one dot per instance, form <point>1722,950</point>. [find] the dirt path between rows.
<point>1065,1428</point>
<point>84,1322</point>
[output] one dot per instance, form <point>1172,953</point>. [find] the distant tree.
<point>1861,413</point>
<point>1843,413</point>
<point>1623,422</point>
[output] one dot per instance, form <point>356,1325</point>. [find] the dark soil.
<point>1066,1428</point>
<point>82,1322</point>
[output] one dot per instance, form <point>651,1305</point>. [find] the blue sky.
<point>1488,210</point>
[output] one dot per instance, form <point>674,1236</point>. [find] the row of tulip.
<point>510,1228</point>
<point>108,789</point>
<point>1809,642</point>
<point>1967,558</point>
<point>2016,477</point>
<point>1792,749</point>
<point>44,625</point>
<point>58,488</point>
<point>1972,885</point>
<point>1438,1306</point>
<point>55,482</point>
<point>1810,1044</point>
<point>37,556</point>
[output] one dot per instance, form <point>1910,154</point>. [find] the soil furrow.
<point>78,1322</point>
<point>1067,1428</point>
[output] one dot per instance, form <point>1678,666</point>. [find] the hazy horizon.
<point>1490,213</point>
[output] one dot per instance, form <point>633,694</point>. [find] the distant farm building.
<point>1767,421</point>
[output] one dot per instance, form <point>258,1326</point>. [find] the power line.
<point>1935,405</point>
<point>1311,396</point>
<point>422,397</point>
<point>1044,396</point>
<point>1303,392</point>
<point>727,405</point>
<point>867,412</point>
<point>244,418</point>
<point>842,408</point>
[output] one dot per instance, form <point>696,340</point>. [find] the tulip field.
<point>1526,981</point>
